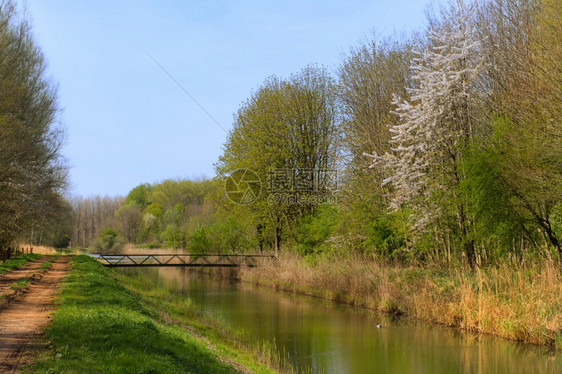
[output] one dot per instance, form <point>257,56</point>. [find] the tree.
<point>436,125</point>
<point>523,80</point>
<point>108,241</point>
<point>531,134</point>
<point>128,221</point>
<point>140,195</point>
<point>32,170</point>
<point>288,125</point>
<point>369,78</point>
<point>504,28</point>
<point>91,216</point>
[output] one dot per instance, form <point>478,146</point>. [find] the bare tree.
<point>91,216</point>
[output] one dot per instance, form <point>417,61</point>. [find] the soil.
<point>26,271</point>
<point>24,318</point>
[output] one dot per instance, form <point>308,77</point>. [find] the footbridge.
<point>180,260</point>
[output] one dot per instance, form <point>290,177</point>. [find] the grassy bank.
<point>18,262</point>
<point>523,304</point>
<point>225,341</point>
<point>101,326</point>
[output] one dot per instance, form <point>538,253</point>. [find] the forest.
<point>442,147</point>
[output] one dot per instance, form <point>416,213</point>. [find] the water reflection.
<point>340,339</point>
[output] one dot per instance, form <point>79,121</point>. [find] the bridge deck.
<point>179,260</point>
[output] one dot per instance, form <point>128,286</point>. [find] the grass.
<point>18,262</point>
<point>20,285</point>
<point>101,327</point>
<point>48,264</point>
<point>226,342</point>
<point>523,304</point>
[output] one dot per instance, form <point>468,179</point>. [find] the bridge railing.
<point>180,260</point>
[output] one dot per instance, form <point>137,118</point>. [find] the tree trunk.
<point>277,239</point>
<point>468,245</point>
<point>470,253</point>
<point>552,237</point>
<point>259,229</point>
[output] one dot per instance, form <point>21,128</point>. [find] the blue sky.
<point>129,123</point>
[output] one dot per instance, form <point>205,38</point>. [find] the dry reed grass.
<point>40,249</point>
<point>523,304</point>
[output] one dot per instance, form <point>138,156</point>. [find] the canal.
<point>331,338</point>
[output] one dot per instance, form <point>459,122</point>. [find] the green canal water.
<point>331,338</point>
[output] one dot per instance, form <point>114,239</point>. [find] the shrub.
<point>108,241</point>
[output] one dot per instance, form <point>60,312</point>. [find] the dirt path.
<point>25,318</point>
<point>25,271</point>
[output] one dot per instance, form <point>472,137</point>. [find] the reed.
<point>518,303</point>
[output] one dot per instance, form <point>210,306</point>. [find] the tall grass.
<point>523,304</point>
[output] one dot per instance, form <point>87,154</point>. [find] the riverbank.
<point>257,357</point>
<point>521,304</point>
<point>102,324</point>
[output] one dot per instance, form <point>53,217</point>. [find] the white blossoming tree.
<point>436,124</point>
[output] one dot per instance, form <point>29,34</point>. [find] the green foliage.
<point>199,240</point>
<point>288,124</point>
<point>140,196</point>
<point>229,236</point>
<point>479,178</point>
<point>371,75</point>
<point>488,197</point>
<point>164,214</point>
<point>61,241</point>
<point>173,237</point>
<point>155,209</point>
<point>386,235</point>
<point>108,241</point>
<point>109,232</point>
<point>314,229</point>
